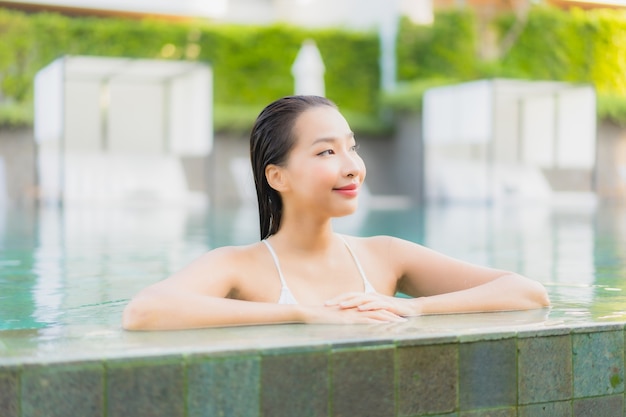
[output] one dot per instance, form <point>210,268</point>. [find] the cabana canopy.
<point>98,113</point>
<point>498,139</point>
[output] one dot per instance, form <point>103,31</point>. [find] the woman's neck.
<point>305,233</point>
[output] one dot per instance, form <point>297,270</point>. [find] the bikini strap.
<point>275,258</point>
<point>368,286</point>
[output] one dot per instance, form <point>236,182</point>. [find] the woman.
<point>307,171</point>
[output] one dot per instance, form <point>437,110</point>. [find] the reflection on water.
<point>80,265</point>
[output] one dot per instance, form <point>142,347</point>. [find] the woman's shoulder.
<point>235,251</point>
<point>391,248</point>
<point>233,256</point>
<point>377,242</point>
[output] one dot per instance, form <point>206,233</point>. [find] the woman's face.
<point>323,172</point>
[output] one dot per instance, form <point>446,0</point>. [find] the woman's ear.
<point>276,177</point>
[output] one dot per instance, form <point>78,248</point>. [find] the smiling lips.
<point>350,190</point>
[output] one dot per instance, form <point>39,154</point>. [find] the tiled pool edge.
<point>564,371</point>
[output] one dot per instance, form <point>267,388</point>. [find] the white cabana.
<point>496,140</point>
<point>117,130</point>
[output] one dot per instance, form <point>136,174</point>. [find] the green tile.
<point>63,390</point>
<point>9,392</point>
<point>555,409</point>
<point>478,336</point>
<point>609,406</point>
<point>226,386</point>
<point>427,379</point>
<point>598,363</point>
<point>295,385</point>
<point>429,340</point>
<point>363,343</point>
<point>487,374</point>
<point>593,327</point>
<point>544,369</point>
<point>362,382</point>
<point>152,388</point>
<point>499,412</point>
<point>544,332</point>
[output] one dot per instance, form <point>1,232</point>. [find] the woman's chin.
<point>347,210</point>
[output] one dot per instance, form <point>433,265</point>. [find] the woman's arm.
<point>507,292</point>
<point>450,285</point>
<point>197,297</point>
<point>441,284</point>
<point>163,308</point>
<point>153,311</point>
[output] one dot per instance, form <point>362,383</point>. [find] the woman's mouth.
<point>350,190</point>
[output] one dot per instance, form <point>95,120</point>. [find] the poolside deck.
<point>530,364</point>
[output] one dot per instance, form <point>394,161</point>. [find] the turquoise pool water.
<point>63,268</point>
<point>65,277</point>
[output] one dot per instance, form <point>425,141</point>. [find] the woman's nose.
<point>353,165</point>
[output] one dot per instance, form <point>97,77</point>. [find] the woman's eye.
<point>355,148</point>
<point>326,152</point>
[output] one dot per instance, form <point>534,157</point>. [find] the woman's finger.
<point>388,316</point>
<point>343,298</point>
<point>373,305</point>
<point>382,314</point>
<point>366,316</point>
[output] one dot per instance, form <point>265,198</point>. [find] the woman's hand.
<point>400,307</point>
<point>335,314</point>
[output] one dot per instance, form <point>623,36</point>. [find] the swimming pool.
<point>65,276</point>
<point>80,265</point>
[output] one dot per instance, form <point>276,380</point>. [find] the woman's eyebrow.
<point>323,140</point>
<point>349,135</point>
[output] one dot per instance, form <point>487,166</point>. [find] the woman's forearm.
<point>157,310</point>
<point>507,293</point>
<point>154,310</point>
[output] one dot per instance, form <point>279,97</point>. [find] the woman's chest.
<point>312,282</point>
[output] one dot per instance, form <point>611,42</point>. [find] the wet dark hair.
<point>271,140</point>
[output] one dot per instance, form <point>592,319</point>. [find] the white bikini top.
<point>286,297</point>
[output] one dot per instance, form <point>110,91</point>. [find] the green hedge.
<point>612,107</point>
<point>252,65</point>
<point>445,49</point>
<point>572,46</point>
<point>576,46</point>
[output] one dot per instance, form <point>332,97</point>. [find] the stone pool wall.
<point>559,371</point>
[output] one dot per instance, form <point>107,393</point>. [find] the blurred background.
<point>493,131</point>
<point>526,98</point>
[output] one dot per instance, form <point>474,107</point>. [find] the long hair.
<point>271,140</point>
